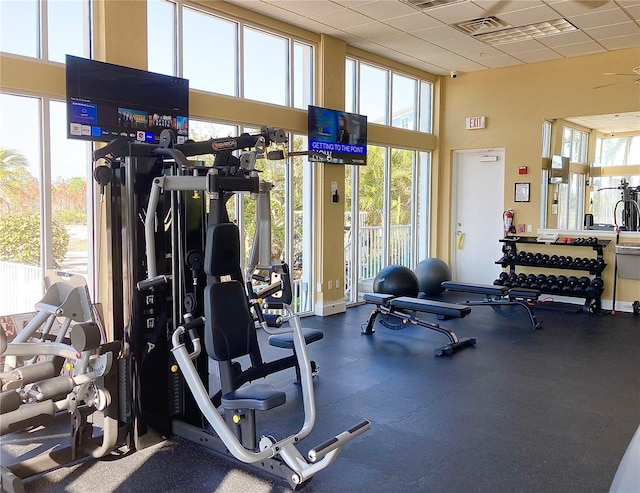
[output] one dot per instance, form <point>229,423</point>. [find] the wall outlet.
<point>529,228</point>
<point>329,284</point>
<point>337,283</point>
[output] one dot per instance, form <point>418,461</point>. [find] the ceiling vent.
<point>429,4</point>
<point>484,24</point>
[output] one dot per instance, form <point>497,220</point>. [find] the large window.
<point>386,215</point>
<point>388,97</point>
<point>617,151</point>
<point>45,192</point>
<point>23,22</point>
<point>246,61</point>
<point>574,145</point>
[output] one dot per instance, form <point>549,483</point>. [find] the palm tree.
<point>16,183</point>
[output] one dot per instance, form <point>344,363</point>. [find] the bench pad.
<point>525,293</point>
<point>486,289</point>
<point>378,298</point>
<point>429,306</point>
<point>256,396</point>
<point>285,340</point>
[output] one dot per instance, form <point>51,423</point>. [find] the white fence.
<point>20,287</point>
<point>370,248</point>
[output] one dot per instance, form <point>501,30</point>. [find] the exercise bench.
<point>498,297</point>
<point>396,312</point>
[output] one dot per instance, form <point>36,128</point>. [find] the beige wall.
<point>515,101</point>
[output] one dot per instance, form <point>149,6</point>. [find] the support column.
<point>329,216</point>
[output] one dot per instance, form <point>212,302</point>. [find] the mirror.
<point>591,172</point>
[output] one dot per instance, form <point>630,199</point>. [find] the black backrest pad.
<point>222,250</point>
<point>229,331</point>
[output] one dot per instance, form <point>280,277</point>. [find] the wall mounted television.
<point>337,136</point>
<point>106,101</point>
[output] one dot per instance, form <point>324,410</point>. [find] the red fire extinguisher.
<point>507,220</point>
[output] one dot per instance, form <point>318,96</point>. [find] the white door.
<point>478,204</point>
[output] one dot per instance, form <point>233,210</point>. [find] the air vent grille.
<point>429,4</point>
<point>484,24</point>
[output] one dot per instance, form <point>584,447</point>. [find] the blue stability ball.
<point>397,280</point>
<point>431,273</point>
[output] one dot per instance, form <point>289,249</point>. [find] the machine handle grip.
<point>338,441</point>
<point>152,282</point>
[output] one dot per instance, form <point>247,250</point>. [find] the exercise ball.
<point>431,273</point>
<point>397,280</point>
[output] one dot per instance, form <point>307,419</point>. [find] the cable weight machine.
<point>161,208</point>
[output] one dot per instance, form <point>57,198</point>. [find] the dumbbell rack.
<point>592,296</point>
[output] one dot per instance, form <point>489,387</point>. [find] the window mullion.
<point>43,45</point>
<point>46,248</point>
<point>178,41</point>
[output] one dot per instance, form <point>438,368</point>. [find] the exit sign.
<point>474,122</point>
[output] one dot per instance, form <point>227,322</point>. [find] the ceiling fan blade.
<point>493,9</point>
<point>613,73</point>
<point>593,4</point>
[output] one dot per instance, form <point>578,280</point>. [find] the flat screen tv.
<point>106,101</point>
<point>337,136</point>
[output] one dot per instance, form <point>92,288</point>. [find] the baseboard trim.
<point>330,308</point>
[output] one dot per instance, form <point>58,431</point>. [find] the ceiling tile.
<point>564,39</point>
<point>535,56</point>
<point>456,12</point>
<point>500,61</point>
<point>306,8</point>
<point>624,29</point>
<point>633,11</point>
<point>478,54</point>
<point>570,8</point>
<point>347,18</point>
<point>521,46</point>
<point>579,49</point>
<point>439,34</point>
<point>614,16</point>
<point>621,42</point>
<point>413,22</point>
<point>373,30</point>
<point>384,9</point>
<point>529,16</point>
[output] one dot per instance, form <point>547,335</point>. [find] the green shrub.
<point>20,239</point>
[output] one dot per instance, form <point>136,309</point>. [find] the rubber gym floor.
<point>551,410</point>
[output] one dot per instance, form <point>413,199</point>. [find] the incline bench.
<point>395,313</point>
<point>498,297</point>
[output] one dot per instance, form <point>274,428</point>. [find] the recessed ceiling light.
<point>531,31</point>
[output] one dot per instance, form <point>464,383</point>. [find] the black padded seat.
<point>285,341</point>
<point>429,306</point>
<point>486,289</point>
<point>377,298</point>
<point>258,397</point>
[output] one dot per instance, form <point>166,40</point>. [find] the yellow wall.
<point>515,101</point>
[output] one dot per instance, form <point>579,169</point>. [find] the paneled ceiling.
<point>452,36</point>
<point>442,36</point>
